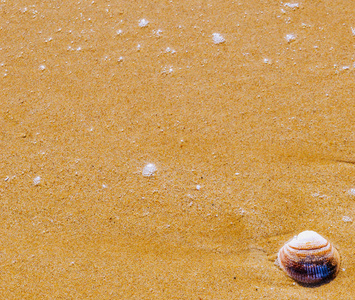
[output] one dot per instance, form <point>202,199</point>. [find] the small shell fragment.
<point>218,38</point>
<point>149,170</point>
<point>309,259</point>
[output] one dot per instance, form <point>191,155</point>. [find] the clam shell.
<point>309,258</point>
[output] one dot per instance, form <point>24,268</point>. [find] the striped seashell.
<point>309,259</point>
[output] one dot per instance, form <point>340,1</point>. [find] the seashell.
<point>309,259</point>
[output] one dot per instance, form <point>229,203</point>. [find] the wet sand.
<point>263,123</point>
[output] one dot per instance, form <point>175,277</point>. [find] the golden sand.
<point>246,108</point>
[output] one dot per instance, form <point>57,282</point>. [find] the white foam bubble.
<point>352,192</point>
<point>292,5</point>
<point>149,170</point>
<point>347,219</point>
<point>290,37</point>
<point>167,70</point>
<point>37,180</point>
<point>157,32</point>
<point>218,38</point>
<point>169,50</point>
<point>143,23</point>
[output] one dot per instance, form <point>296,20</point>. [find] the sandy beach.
<point>246,110</point>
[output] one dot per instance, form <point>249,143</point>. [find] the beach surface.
<point>245,109</point>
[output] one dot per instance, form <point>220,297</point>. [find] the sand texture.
<point>246,109</point>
